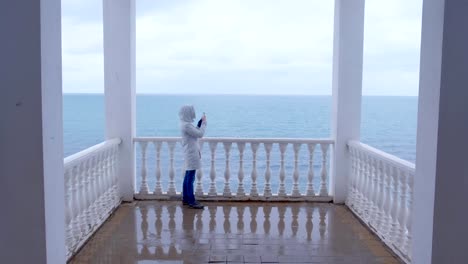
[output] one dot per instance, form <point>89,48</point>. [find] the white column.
<point>346,89</point>
<point>31,152</point>
<point>440,211</point>
<point>119,84</point>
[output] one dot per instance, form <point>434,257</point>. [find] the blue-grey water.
<point>388,123</point>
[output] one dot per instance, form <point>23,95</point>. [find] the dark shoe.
<point>184,202</point>
<point>196,206</point>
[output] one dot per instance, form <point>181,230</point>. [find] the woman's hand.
<point>204,118</point>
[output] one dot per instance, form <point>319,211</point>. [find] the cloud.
<point>240,46</point>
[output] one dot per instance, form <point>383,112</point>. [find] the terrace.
<point>337,200</point>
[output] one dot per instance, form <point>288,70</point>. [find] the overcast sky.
<point>244,46</point>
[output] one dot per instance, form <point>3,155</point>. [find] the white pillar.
<point>119,83</point>
<point>440,213</point>
<point>346,89</point>
<point>32,222</point>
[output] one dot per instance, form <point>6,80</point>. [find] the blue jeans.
<point>187,188</point>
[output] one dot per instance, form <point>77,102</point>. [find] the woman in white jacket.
<point>192,154</point>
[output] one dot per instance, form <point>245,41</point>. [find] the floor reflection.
<point>167,232</point>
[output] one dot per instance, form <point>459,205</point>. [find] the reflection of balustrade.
<point>272,172</point>
<point>91,191</point>
<point>230,219</point>
<point>380,193</point>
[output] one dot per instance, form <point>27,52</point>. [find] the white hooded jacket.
<point>190,136</point>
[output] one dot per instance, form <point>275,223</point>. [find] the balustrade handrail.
<point>240,140</point>
<point>79,156</point>
<point>384,156</point>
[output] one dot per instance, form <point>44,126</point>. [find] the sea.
<point>387,123</point>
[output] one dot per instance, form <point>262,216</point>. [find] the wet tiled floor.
<point>167,232</point>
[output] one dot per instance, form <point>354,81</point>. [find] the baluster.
<point>387,205</point>
<point>373,191</point>
<point>76,204</point>
<point>310,174</point>
<point>69,210</point>
<point>112,175</point>
<point>394,231</point>
<point>253,190</point>
<point>267,189</point>
<point>295,190</point>
<point>82,200</point>
<point>89,193</point>
<point>352,178</point>
<point>367,182</point>
<point>409,242</point>
<point>240,175</point>
<point>199,188</point>
<point>171,190</point>
<point>282,174</point>
<point>213,191</point>
<point>351,198</point>
<point>114,181</point>
<point>158,188</point>
<point>381,195</point>
<point>360,183</point>
<point>94,190</point>
<point>324,173</point>
<point>102,201</point>
<point>227,172</point>
<point>402,210</point>
<point>107,197</point>
<point>144,184</point>
<point>99,184</point>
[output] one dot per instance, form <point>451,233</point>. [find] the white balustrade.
<point>91,191</point>
<point>297,163</point>
<point>381,194</point>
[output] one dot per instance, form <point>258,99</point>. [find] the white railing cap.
<point>398,162</point>
<point>240,140</point>
<point>77,157</point>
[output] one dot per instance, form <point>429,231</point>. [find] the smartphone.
<point>200,121</point>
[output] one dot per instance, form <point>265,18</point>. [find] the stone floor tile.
<point>252,259</point>
<point>269,259</point>
<point>217,259</point>
<point>235,258</point>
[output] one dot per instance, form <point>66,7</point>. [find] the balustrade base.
<point>234,198</point>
